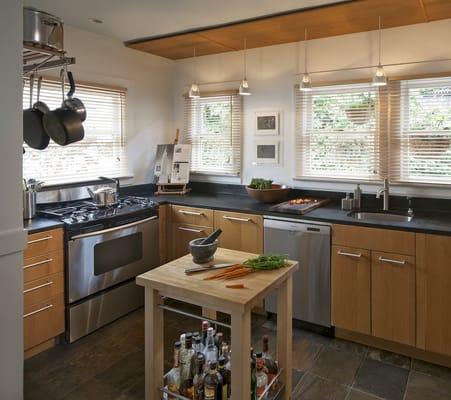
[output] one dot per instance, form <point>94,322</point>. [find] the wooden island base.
<point>170,281</point>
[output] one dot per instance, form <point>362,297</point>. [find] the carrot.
<point>224,272</point>
<point>235,286</point>
<point>237,274</point>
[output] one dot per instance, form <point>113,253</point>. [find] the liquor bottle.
<point>198,381</point>
<point>225,352</point>
<point>253,377</point>
<point>205,326</point>
<point>187,359</point>
<point>270,363</point>
<point>210,349</point>
<point>173,376</point>
<point>226,378</point>
<point>213,384</point>
<point>219,337</point>
<point>260,375</point>
<point>198,346</point>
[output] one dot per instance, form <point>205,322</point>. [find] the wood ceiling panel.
<point>338,19</point>
<point>437,9</point>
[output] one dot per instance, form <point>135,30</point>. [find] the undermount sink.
<point>381,216</point>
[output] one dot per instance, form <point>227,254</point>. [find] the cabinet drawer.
<point>44,242</point>
<point>42,266</point>
<point>182,234</point>
<point>43,321</point>
<point>386,240</point>
<point>192,216</point>
<point>243,232</point>
<point>43,289</point>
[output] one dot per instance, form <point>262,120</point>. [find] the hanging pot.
<point>63,124</point>
<point>73,103</point>
<point>34,134</point>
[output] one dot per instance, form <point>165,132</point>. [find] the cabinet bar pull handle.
<point>190,229</point>
<point>38,311</point>
<point>38,263</point>
<point>236,218</point>
<point>191,212</point>
<point>344,253</point>
<point>40,239</point>
<point>391,261</point>
<point>38,287</point>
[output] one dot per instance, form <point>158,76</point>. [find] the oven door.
<point>99,260</point>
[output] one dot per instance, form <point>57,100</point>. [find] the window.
<point>101,152</point>
<point>338,133</point>
<point>212,125</point>
<point>421,131</point>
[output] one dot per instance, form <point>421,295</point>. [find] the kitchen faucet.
<point>386,192</point>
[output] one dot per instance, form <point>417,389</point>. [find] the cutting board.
<point>300,206</point>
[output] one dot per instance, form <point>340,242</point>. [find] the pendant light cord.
<point>245,77</point>
<point>380,40</point>
<point>305,51</point>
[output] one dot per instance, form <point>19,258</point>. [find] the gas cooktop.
<point>84,212</point>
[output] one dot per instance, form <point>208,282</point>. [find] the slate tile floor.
<point>109,365</point>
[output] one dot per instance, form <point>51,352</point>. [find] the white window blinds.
<point>100,153</point>
<point>338,133</point>
<point>420,131</point>
<point>212,125</point>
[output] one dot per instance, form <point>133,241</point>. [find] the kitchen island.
<point>170,281</point>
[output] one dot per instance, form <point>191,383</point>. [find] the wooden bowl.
<point>273,195</point>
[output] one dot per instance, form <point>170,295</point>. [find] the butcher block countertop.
<point>170,280</point>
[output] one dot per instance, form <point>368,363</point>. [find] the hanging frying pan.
<point>34,134</point>
<point>62,124</point>
<point>73,103</point>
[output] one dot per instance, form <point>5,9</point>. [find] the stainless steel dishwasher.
<point>308,243</point>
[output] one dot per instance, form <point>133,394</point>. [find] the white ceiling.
<point>133,19</point>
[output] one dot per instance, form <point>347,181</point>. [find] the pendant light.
<point>380,78</point>
<point>306,83</point>
<point>244,86</point>
<point>194,91</point>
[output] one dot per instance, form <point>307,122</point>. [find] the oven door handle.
<point>116,228</point>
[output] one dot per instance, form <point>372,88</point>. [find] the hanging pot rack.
<point>38,58</point>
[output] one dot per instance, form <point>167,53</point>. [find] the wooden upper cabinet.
<point>386,240</point>
<point>393,297</point>
<point>434,293</point>
<point>351,289</point>
<point>242,232</point>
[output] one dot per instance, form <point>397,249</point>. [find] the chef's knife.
<point>189,271</point>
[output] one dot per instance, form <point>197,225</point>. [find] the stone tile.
<point>431,369</point>
<point>389,357</point>
<point>381,379</point>
<point>358,395</point>
<point>304,353</point>
<point>427,387</point>
<point>337,365</point>
<point>313,387</point>
<point>341,344</point>
<point>93,390</point>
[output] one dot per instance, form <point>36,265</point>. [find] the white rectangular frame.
<point>269,131</point>
<point>267,161</point>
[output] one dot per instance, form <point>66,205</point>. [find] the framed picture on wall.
<point>267,152</point>
<point>267,123</point>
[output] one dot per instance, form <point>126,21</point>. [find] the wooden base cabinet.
<point>182,234</point>
<point>393,297</point>
<point>351,288</point>
<point>434,293</point>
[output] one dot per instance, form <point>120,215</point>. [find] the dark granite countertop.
<point>39,224</point>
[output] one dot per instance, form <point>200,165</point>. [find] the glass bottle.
<point>198,381</point>
<point>198,346</point>
<point>253,377</point>
<point>270,363</point>
<point>187,359</point>
<point>205,326</point>
<point>226,378</point>
<point>260,375</point>
<point>173,376</point>
<point>213,384</point>
<point>225,352</point>
<point>219,337</point>
<point>210,349</point>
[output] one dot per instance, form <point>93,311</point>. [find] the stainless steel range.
<point>106,248</point>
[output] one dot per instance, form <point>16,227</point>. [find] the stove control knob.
<point>84,218</point>
<point>73,219</point>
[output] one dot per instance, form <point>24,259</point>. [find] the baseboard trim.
<point>405,350</point>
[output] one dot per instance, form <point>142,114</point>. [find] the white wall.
<point>271,73</point>
<point>149,82</point>
<point>12,235</point>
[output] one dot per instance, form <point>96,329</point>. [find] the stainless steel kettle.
<point>104,197</point>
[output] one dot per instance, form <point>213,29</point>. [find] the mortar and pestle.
<point>203,249</point>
